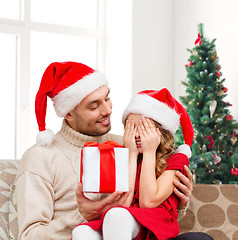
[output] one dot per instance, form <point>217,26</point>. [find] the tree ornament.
<point>234,134</point>
<point>217,158</point>
<point>233,140</point>
<point>228,117</point>
<point>230,153</point>
<point>198,40</point>
<point>194,138</point>
<point>211,142</point>
<point>194,177</point>
<point>234,171</point>
<point>218,74</point>
<point>212,108</point>
<point>224,89</point>
<point>195,52</point>
<point>214,56</point>
<point>190,63</point>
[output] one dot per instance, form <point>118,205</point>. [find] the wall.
<point>152,44</point>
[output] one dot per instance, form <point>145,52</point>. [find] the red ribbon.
<point>105,145</point>
<point>107,165</point>
<point>234,135</point>
<point>198,40</point>
<point>211,144</point>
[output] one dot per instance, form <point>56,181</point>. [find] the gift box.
<point>104,167</point>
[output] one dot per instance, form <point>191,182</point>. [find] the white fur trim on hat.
<point>45,138</point>
<point>154,109</point>
<point>69,98</point>
<point>185,149</point>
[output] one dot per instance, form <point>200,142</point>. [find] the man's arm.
<point>183,188</point>
<point>35,204</point>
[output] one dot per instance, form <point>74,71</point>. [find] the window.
<point>32,35</point>
<point>8,94</point>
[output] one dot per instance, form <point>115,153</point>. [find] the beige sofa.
<point>213,208</point>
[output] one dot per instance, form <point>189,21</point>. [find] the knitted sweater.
<point>46,184</point>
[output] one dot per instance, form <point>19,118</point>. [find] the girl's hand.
<point>149,134</point>
<point>129,136</point>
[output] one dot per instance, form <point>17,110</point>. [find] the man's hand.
<point>92,210</point>
<point>183,188</point>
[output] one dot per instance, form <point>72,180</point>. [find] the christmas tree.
<point>215,146</point>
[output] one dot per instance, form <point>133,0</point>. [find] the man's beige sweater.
<point>46,183</point>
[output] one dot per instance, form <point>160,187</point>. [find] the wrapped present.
<point>104,167</point>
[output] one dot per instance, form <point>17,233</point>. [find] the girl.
<point>150,211</point>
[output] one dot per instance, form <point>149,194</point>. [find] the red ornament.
<point>224,89</point>
<point>228,117</point>
<point>227,103</point>
<point>190,63</point>
<point>218,74</point>
<point>234,171</point>
<point>219,67</point>
<point>198,40</point>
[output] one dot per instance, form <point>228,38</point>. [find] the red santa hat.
<point>67,84</point>
<point>163,108</point>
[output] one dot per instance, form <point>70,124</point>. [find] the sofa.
<point>213,208</point>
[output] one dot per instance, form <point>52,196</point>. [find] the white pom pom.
<point>185,149</point>
<point>45,138</point>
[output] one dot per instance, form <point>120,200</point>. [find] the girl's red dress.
<point>160,222</point>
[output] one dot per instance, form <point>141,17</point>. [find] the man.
<point>48,207</point>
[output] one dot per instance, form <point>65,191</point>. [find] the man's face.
<point>92,115</point>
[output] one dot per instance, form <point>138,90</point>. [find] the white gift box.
<point>104,168</point>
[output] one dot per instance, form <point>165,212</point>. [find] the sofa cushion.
<point>8,170</point>
<point>213,209</point>
<point>13,225</point>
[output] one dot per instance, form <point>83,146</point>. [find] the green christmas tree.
<point>215,146</point>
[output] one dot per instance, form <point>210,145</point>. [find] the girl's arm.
<point>152,191</point>
<point>129,142</point>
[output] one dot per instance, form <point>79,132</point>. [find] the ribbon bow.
<point>198,40</point>
<point>103,146</point>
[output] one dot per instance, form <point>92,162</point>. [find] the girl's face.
<point>136,118</point>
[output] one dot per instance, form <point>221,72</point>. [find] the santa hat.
<point>67,84</point>
<point>163,108</point>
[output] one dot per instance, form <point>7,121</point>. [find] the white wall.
<point>220,20</point>
<point>152,44</point>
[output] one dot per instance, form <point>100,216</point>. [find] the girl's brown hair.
<point>164,150</point>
